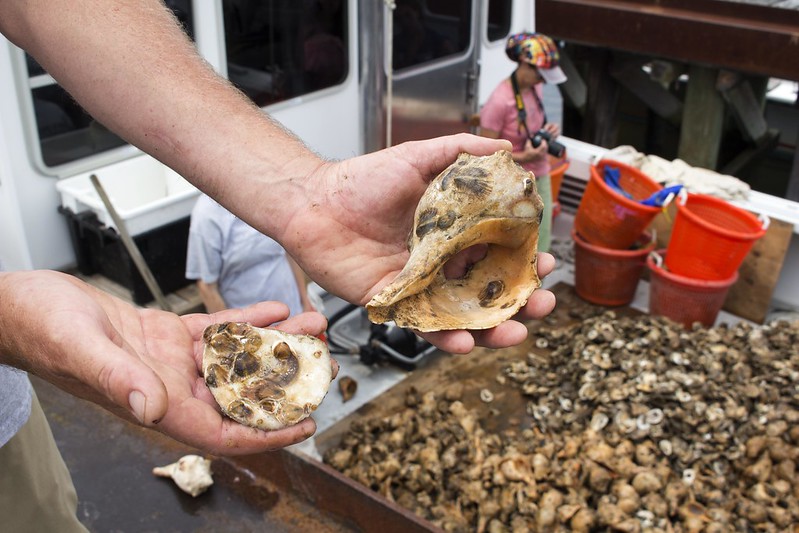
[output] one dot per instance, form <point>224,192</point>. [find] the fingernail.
<point>137,402</point>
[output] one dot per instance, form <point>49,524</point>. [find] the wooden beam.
<point>703,119</point>
<point>745,106</point>
<point>629,74</point>
<point>601,118</point>
<point>734,167</point>
<point>751,295</point>
<point>573,89</point>
<point>793,180</point>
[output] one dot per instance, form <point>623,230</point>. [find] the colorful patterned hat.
<point>538,50</point>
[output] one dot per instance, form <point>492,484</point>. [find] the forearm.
<point>128,63</point>
<point>302,284</point>
<point>212,299</point>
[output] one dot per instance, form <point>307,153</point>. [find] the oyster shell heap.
<point>265,378</point>
<point>476,200</point>
<point>637,426</point>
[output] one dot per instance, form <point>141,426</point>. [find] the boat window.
<point>278,50</point>
<point>66,132</point>
<point>426,30</point>
<point>499,15</point>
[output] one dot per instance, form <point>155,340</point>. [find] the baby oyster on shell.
<point>265,378</point>
<point>478,200</point>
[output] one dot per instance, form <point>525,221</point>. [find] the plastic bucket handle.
<point>682,196</point>
<point>765,220</point>
<point>657,259</point>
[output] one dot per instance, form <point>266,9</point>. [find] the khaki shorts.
<point>36,491</point>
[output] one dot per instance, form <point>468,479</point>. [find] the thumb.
<point>132,386</point>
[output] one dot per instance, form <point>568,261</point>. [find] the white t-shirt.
<point>248,266</point>
<point>15,401</point>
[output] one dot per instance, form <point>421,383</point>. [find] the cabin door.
<point>435,48</point>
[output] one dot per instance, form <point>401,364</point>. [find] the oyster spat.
<point>477,200</point>
<point>265,378</point>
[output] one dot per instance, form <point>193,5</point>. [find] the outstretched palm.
<point>141,364</point>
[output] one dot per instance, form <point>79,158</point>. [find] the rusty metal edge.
<point>331,492</point>
<point>745,37</point>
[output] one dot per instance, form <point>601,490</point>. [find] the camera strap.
<point>520,104</point>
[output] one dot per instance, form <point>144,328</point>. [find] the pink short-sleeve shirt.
<point>500,114</point>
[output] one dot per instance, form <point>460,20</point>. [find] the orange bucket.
<point>711,237</point>
<point>558,167</point>
<point>683,299</point>
<point>606,276</point>
<point>607,218</point>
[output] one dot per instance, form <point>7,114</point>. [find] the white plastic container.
<point>146,193</point>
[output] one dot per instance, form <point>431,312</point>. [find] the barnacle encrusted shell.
<point>476,200</point>
<point>265,378</point>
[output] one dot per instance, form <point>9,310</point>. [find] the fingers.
<point>458,341</point>
<point>434,155</point>
<point>261,315</point>
<point>545,264</point>
<point>199,425</point>
<point>509,333</point>
<point>242,440</point>
<point>540,304</point>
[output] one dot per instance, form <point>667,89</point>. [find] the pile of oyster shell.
<point>637,426</point>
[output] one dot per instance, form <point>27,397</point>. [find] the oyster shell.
<point>265,378</point>
<point>487,200</point>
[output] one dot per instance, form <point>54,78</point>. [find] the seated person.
<point>236,265</point>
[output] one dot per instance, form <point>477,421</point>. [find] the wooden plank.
<point>747,156</point>
<point>793,180</point>
<point>750,297</point>
<point>600,126</point>
<point>703,119</point>
<point>573,89</point>
<point>183,301</point>
<point>630,75</point>
<point>744,104</point>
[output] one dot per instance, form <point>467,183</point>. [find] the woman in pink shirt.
<point>518,119</point>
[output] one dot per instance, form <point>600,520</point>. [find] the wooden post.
<point>601,122</point>
<point>703,119</point>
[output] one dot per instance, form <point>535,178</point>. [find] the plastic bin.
<point>146,194</point>
<point>606,276</point>
<point>155,204</point>
<point>682,299</point>
<point>711,237</point>
<point>99,250</point>
<point>605,217</point>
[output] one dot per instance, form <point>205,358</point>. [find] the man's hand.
<point>351,234</point>
<point>143,365</point>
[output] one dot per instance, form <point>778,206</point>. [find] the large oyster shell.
<point>265,378</point>
<point>476,200</point>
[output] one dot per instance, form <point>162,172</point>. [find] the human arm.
<point>302,285</point>
<point>211,297</point>
<point>346,223</point>
<point>143,365</point>
<point>553,129</point>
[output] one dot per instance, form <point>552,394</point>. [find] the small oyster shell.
<point>476,200</point>
<point>265,378</point>
<point>191,473</point>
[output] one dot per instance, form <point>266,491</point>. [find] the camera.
<point>555,148</point>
